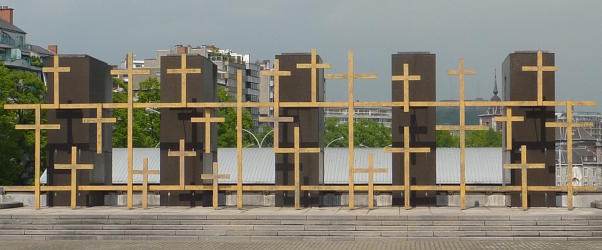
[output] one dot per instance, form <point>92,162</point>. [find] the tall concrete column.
<point>297,88</point>
<point>88,81</point>
<point>176,125</point>
<point>521,85</point>
<point>421,122</point>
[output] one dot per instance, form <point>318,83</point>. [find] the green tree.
<point>366,132</point>
<point>146,126</point>
<point>333,131</point>
<point>371,134</point>
<point>489,138</point>
<point>446,139</point>
<point>17,147</point>
<point>227,129</point>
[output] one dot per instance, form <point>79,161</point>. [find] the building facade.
<point>587,151</point>
<point>381,115</point>
<point>227,62</point>
<point>15,52</point>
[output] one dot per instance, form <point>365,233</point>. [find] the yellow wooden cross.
<point>55,69</point>
<point>207,120</point>
<point>99,120</point>
<point>37,127</point>
<point>407,150</point>
<point>297,151</point>
<point>73,167</point>
<point>370,170</point>
<point>350,76</point>
<point>145,172</point>
<point>539,68</point>
<point>461,72</point>
<point>239,109</point>
<point>524,166</point>
<point>314,65</point>
<point>569,125</point>
<point>183,71</point>
<point>181,153</point>
<point>508,118</point>
<point>406,78</point>
<point>130,71</point>
<point>214,177</point>
<point>276,73</point>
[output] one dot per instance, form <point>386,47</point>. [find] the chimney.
<point>6,14</point>
<point>54,48</point>
<point>181,50</point>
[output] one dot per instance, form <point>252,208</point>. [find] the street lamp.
<point>257,140</point>
<point>337,139</point>
<point>265,136</point>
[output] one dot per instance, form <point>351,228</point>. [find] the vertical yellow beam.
<point>406,167</point>
<point>371,181</point>
<point>523,160</point>
<point>99,130</point>
<point>569,154</point>
<point>350,111</point>
<point>182,163</point>
<point>539,78</point>
<point>56,88</point>
<point>297,185</point>
<point>215,195</point>
<point>239,133</point>
<point>313,74</point>
<point>130,131</point>
<point>36,179</point>
<point>73,177</point>
<point>509,129</point>
<point>208,131</point>
<point>462,138</point>
<point>183,98</point>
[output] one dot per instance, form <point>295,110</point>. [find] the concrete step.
<point>146,226</point>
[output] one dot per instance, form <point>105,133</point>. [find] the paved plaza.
<point>302,244</point>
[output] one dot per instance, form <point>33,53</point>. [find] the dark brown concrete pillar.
<point>422,123</point>
<point>88,81</point>
<point>176,125</point>
<point>519,85</point>
<point>297,88</point>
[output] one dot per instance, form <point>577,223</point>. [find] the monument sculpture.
<point>188,149</point>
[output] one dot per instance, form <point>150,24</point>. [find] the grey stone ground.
<point>305,244</point>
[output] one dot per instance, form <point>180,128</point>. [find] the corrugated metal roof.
<point>257,164</point>
<point>120,164</point>
<point>336,165</point>
<point>483,165</point>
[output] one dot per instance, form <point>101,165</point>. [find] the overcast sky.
<point>482,32</point>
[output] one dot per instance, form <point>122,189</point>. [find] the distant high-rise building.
<point>227,61</point>
<point>266,88</point>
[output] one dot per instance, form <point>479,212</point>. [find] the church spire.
<point>495,82</point>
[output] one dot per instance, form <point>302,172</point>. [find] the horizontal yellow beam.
<point>339,188</point>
